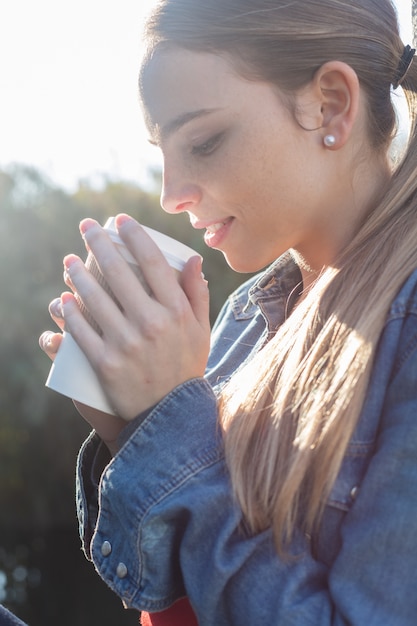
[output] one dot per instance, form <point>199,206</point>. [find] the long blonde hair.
<point>289,415</point>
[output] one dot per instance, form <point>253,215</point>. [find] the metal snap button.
<point>106,548</point>
<point>121,570</point>
<point>354,492</point>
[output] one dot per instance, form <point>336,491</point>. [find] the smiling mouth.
<point>216,233</point>
<point>213,228</point>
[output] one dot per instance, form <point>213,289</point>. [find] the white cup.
<point>71,373</point>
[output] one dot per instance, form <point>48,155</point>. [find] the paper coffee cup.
<point>71,373</point>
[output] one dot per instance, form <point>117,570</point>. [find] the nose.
<point>179,193</point>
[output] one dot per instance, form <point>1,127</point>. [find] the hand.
<point>108,426</point>
<point>50,341</point>
<point>154,343</point>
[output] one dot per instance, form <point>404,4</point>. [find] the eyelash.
<point>207,147</point>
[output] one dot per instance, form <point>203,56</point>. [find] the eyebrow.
<point>178,122</point>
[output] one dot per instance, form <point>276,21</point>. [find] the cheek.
<point>240,173</point>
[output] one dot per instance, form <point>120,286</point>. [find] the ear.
<point>336,94</point>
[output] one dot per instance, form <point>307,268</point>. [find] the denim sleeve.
<point>173,528</point>
<point>8,619</point>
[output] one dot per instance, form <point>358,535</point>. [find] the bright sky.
<point>68,92</point>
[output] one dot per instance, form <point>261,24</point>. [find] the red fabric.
<point>179,614</point>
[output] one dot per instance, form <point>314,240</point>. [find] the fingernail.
<point>70,260</point>
<point>66,297</point>
<point>122,219</point>
<point>55,308</point>
<point>45,340</point>
<point>86,224</point>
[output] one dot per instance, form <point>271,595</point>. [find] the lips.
<point>213,228</point>
<point>216,231</point>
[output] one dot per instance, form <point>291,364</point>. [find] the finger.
<point>55,311</point>
<point>80,329</point>
<point>120,278</point>
<point>196,289</point>
<point>95,300</point>
<point>67,281</point>
<point>49,342</point>
<point>156,271</point>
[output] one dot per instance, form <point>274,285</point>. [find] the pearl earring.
<point>329,141</point>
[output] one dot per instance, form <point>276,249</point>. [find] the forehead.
<point>175,82</point>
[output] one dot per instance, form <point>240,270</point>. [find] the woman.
<point>274,481</point>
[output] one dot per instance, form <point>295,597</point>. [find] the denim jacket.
<point>9,619</point>
<point>159,520</point>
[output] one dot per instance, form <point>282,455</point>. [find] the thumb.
<point>196,289</point>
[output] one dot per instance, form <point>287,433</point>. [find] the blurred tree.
<point>43,576</point>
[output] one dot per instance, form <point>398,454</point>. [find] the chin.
<point>245,266</point>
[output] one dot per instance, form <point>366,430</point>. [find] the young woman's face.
<point>235,160</point>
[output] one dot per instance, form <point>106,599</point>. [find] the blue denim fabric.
<point>160,523</point>
<point>8,619</point>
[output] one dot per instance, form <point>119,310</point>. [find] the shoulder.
<point>405,303</point>
<point>400,331</point>
<point>395,364</point>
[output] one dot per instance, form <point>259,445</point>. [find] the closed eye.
<point>207,147</point>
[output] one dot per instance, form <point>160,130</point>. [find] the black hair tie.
<point>403,66</point>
